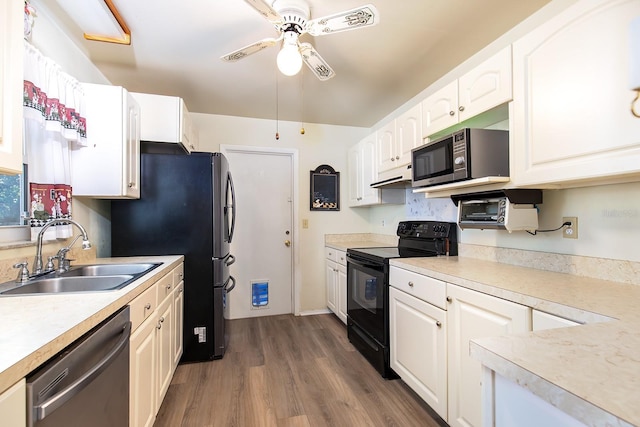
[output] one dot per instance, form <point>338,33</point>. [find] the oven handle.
<point>363,263</point>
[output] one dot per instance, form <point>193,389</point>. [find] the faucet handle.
<point>50,266</point>
<point>23,274</point>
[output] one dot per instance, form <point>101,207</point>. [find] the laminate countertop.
<point>36,327</point>
<point>591,371</point>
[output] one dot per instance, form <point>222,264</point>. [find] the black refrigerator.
<point>186,207</point>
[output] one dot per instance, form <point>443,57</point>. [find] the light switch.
<point>305,223</point>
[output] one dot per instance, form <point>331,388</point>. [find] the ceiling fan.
<point>291,20</point>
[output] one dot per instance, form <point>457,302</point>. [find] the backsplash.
<point>597,268</point>
<point>419,207</point>
<point>7,272</point>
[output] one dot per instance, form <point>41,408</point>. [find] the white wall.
<point>321,144</point>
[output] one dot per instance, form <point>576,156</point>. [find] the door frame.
<point>292,153</point>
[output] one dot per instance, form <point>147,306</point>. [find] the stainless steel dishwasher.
<point>87,384</point>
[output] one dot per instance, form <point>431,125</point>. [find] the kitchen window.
<point>13,206</point>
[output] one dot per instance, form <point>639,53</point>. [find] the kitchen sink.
<point>56,285</point>
<point>109,269</point>
<point>82,278</point>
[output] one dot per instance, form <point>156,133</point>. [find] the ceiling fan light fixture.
<point>289,59</point>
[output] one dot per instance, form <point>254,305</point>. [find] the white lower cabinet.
<point>473,315</point>
<point>142,374</point>
<point>336,282</point>
<point>542,320</point>
<point>517,406</point>
<point>13,405</point>
<point>154,346</point>
<point>418,336</point>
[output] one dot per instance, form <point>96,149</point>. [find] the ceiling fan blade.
<point>314,61</point>
<point>249,50</point>
<point>363,16</point>
<point>265,10</point>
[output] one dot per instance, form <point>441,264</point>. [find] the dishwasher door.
<point>87,384</point>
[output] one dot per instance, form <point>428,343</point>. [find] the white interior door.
<point>263,238</point>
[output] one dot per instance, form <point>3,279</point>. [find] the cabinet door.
<point>418,335</point>
<point>387,147</point>
<point>571,109</point>
<point>189,138</point>
<point>354,156</point>
<point>11,47</point>
<point>369,172</point>
<point>332,283</point>
<point>178,317</point>
<point>542,320</point>
<point>486,86</point>
<point>440,110</point>
<point>143,375</point>
<point>472,315</point>
<point>13,403</point>
<point>165,342</point>
<point>409,134</point>
<point>341,290</point>
<point>131,156</point>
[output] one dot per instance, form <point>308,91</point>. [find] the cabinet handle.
<point>452,113</point>
<point>449,299</point>
<point>393,159</point>
<point>461,108</point>
<point>168,287</point>
<point>180,290</point>
<point>397,157</point>
<point>439,324</point>
<point>411,284</point>
<point>159,326</point>
<point>147,307</point>
<point>131,185</point>
<point>162,319</point>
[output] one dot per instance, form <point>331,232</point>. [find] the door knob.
<point>287,243</point>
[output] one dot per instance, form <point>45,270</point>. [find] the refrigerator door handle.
<point>233,206</point>
<point>233,284</point>
<point>230,260</point>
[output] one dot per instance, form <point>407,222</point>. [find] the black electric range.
<point>368,284</point>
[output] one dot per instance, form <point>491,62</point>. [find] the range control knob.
<point>459,160</point>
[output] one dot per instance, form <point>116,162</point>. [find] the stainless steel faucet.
<point>37,262</point>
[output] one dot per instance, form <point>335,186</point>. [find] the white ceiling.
<point>176,48</point>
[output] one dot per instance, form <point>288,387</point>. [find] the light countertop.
<point>36,327</point>
<point>592,371</point>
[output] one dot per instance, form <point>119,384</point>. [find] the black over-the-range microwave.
<point>465,154</point>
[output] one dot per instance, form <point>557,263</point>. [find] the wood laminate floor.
<point>289,371</point>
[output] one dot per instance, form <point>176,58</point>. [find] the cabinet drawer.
<point>426,288</point>
<point>178,275</point>
<point>331,253</point>
<point>165,287</point>
<point>341,257</point>
<point>143,306</point>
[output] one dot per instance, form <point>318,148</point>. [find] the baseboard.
<point>314,312</point>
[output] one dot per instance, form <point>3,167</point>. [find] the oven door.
<point>365,296</point>
<point>433,163</point>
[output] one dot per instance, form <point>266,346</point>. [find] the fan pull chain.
<point>302,107</point>
<point>277,109</point>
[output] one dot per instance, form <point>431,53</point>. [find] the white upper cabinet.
<point>166,119</point>
<point>397,138</point>
<point>109,167</point>
<point>363,171</point>
<point>481,89</point>
<point>11,21</point>
<point>571,122</point>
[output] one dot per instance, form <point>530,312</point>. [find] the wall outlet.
<point>570,231</point>
<point>305,223</point>
<point>384,223</point>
